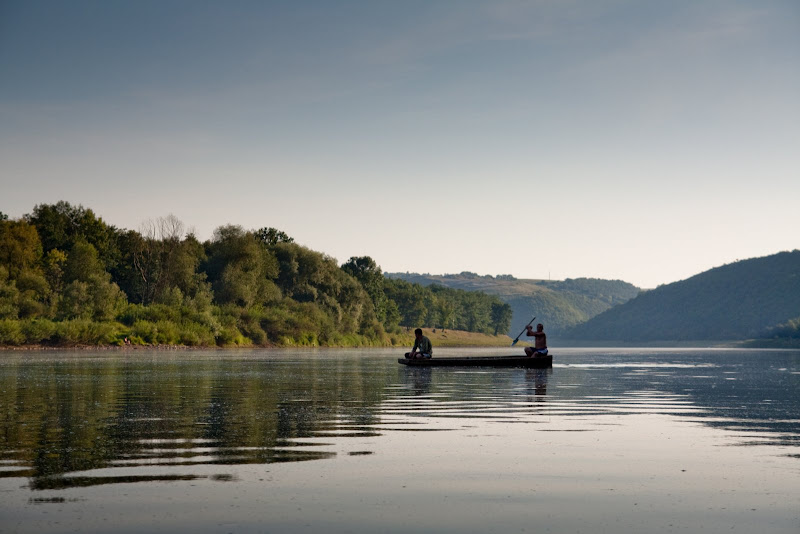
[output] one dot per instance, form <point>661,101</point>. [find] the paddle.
<point>523,331</point>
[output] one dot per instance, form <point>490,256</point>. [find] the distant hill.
<point>741,300</point>
<point>558,304</point>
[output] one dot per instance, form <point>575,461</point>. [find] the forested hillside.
<point>67,277</point>
<point>752,298</point>
<point>558,304</point>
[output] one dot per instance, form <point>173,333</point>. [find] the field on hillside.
<point>455,338</point>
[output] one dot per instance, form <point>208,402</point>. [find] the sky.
<point>644,141</point>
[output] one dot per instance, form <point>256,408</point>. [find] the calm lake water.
<point>608,440</point>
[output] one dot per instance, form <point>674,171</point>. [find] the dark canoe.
<point>538,362</point>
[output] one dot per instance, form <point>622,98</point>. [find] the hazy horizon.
<point>642,141</point>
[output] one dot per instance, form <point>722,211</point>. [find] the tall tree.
<point>501,317</point>
<point>270,236</point>
<point>61,225</point>
<point>240,269</point>
<point>369,274</point>
<point>20,248</point>
<point>88,292</point>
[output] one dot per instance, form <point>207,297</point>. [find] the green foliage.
<point>369,275</point>
<point>196,335</point>
<point>96,299</point>
<point>54,263</point>
<point>68,278</point>
<point>85,332</point>
<point>163,259</point>
<point>20,247</point>
<point>783,335</point>
<point>11,332</point>
<point>34,294</point>
<point>61,225</point>
<point>272,236</point>
<point>789,329</point>
<point>230,335</point>
<point>9,296</point>
<point>307,276</point>
<point>38,330</point>
<point>240,269</point>
<point>557,304</point>
<point>442,307</point>
<point>500,317</point>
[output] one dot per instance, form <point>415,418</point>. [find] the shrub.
<point>249,327</point>
<point>144,330</point>
<point>194,334</point>
<point>38,330</point>
<point>101,333</point>
<point>10,332</point>
<point>230,335</point>
<point>274,323</point>
<point>73,332</point>
<point>131,313</point>
<point>167,333</point>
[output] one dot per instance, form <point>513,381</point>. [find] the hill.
<point>742,300</point>
<point>558,304</point>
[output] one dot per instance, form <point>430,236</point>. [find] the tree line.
<point>67,277</point>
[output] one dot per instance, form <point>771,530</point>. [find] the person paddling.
<point>423,344</point>
<point>540,343</point>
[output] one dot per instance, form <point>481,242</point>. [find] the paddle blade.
<point>514,342</point>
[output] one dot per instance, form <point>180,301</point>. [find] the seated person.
<point>423,344</point>
<point>540,344</point>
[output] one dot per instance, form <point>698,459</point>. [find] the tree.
<point>410,300</point>
<point>89,291</point>
<point>20,248</point>
<point>309,276</point>
<point>34,294</point>
<point>61,225</point>
<point>160,260</point>
<point>54,263</point>
<point>446,311</point>
<point>240,269</point>
<point>272,236</point>
<point>501,317</point>
<point>369,275</point>
<point>9,296</point>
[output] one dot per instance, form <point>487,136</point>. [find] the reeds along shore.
<point>99,336</point>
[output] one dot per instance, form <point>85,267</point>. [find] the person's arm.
<point>533,333</point>
<point>529,331</point>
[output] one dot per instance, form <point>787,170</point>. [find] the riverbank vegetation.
<point>68,278</point>
<point>783,336</point>
<point>558,304</point>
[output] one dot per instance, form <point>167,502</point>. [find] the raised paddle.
<point>523,331</point>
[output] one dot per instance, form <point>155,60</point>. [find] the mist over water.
<point>622,440</point>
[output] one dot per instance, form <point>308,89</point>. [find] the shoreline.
<point>448,338</point>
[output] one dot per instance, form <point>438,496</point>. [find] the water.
<point>611,440</point>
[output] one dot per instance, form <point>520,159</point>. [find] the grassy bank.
<point>453,338</point>
<point>44,334</point>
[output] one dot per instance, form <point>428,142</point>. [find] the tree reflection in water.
<point>71,413</point>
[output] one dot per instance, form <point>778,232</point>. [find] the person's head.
<point>539,327</point>
<point>418,332</point>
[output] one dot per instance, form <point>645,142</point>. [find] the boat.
<point>538,362</point>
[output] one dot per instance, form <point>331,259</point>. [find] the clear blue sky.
<point>638,140</point>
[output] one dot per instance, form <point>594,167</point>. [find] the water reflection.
<point>77,421</point>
